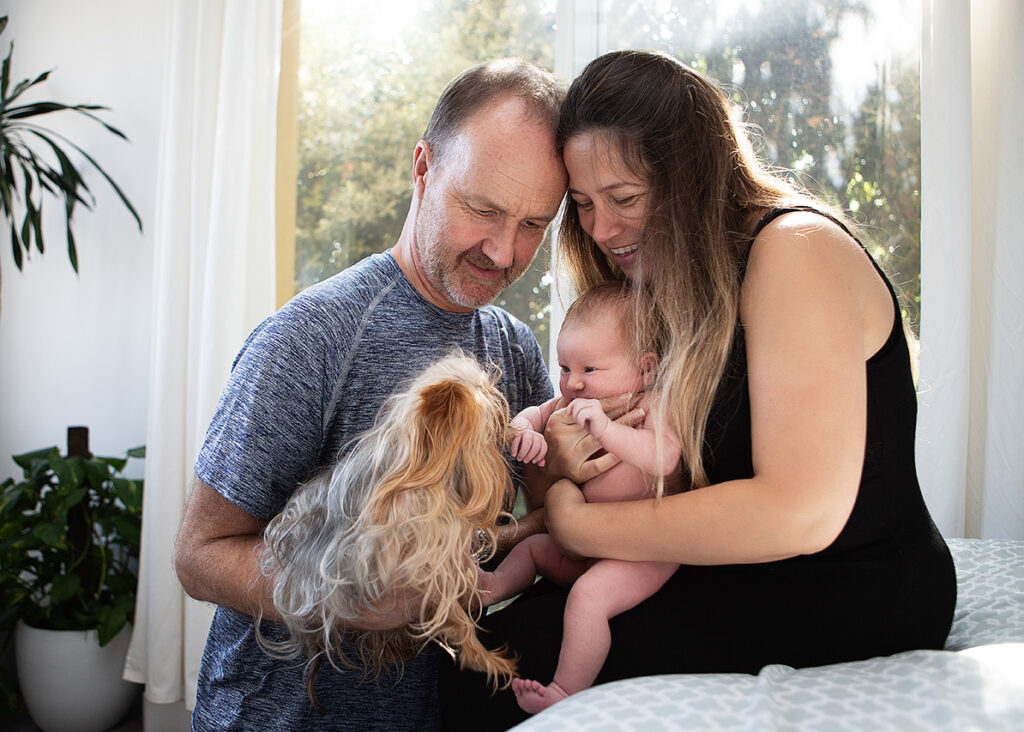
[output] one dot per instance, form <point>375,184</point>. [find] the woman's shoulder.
<point>804,238</point>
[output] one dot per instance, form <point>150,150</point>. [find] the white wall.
<point>74,350</point>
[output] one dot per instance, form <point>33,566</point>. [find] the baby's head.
<point>603,347</point>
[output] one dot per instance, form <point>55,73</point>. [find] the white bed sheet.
<point>977,683</point>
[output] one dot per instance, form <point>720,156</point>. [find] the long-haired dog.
<point>398,524</point>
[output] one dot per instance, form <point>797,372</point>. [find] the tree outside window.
<point>832,88</point>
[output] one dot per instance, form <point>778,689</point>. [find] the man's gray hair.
<point>479,85</point>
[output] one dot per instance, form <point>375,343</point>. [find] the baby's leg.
<point>533,555</point>
<point>608,588</point>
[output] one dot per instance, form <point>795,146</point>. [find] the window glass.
<point>369,76</point>
<point>832,88</point>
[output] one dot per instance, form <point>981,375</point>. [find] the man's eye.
<point>484,212</point>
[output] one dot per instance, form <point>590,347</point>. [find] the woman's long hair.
<point>399,523</point>
<point>675,129</point>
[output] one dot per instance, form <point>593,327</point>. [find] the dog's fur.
<point>402,519</point>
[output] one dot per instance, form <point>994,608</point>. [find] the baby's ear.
<point>648,367</point>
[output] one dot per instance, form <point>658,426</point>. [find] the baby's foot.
<point>533,696</point>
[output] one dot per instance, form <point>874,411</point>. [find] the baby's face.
<point>596,361</point>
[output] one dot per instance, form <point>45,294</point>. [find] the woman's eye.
<point>584,205</point>
<point>627,201</point>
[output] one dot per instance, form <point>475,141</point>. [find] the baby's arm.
<point>528,444</point>
<point>638,447</point>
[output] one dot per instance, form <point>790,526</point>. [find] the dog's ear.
<point>449,415</point>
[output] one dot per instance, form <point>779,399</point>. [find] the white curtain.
<point>971,427</point>
<point>213,282</point>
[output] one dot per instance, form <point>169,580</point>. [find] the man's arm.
<point>217,558</point>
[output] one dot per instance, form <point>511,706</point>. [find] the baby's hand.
<point>589,415</point>
<point>529,447</point>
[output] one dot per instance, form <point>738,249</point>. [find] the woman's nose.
<point>606,225</point>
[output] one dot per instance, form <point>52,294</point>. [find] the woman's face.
<point>612,200</point>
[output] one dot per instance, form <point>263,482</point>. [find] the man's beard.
<point>442,273</point>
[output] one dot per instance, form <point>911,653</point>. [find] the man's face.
<point>485,205</point>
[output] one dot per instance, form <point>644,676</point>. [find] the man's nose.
<point>500,246</point>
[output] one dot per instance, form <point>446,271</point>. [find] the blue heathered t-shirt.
<point>309,380</point>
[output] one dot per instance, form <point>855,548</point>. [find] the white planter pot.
<point>70,684</point>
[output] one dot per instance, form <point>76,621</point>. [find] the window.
<point>831,85</point>
<point>369,76</point>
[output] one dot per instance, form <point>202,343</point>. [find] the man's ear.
<point>648,367</point>
<point>422,162</point>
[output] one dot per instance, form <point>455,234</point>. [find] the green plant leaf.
<point>65,470</point>
<point>64,587</point>
<point>129,492</point>
<point>27,461</point>
<point>116,463</point>
<point>112,620</point>
<point>137,452</point>
<point>70,500</point>
<point>50,534</point>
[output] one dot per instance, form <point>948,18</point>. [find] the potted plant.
<point>70,532</point>
<point>34,162</point>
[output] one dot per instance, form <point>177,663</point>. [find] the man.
<point>487,182</point>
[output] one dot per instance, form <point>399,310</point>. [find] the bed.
<point>975,683</point>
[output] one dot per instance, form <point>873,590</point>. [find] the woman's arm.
<point>813,310</point>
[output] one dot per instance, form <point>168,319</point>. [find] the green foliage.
<point>70,533</point>
<point>363,107</point>
<point>365,104</point>
<point>26,150</point>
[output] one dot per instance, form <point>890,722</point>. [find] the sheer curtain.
<point>970,444</point>
<point>213,282</point>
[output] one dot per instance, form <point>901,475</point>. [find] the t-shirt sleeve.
<point>267,431</point>
<point>537,377</point>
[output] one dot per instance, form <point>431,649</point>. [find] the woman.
<point>787,377</point>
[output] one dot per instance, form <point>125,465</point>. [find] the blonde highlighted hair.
<point>400,522</point>
<point>678,131</point>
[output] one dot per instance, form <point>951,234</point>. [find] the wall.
<point>74,350</point>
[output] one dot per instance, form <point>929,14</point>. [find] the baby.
<point>599,358</point>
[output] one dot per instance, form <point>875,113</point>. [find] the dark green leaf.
<point>65,586</point>
<point>129,492</point>
<point>116,463</point>
<point>26,461</point>
<point>50,534</point>
<point>112,620</point>
<point>64,469</point>
<point>137,452</point>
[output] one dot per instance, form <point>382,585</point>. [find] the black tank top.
<point>889,502</point>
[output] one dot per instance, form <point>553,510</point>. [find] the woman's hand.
<point>571,448</point>
<point>564,501</point>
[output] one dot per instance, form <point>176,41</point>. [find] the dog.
<point>400,523</point>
